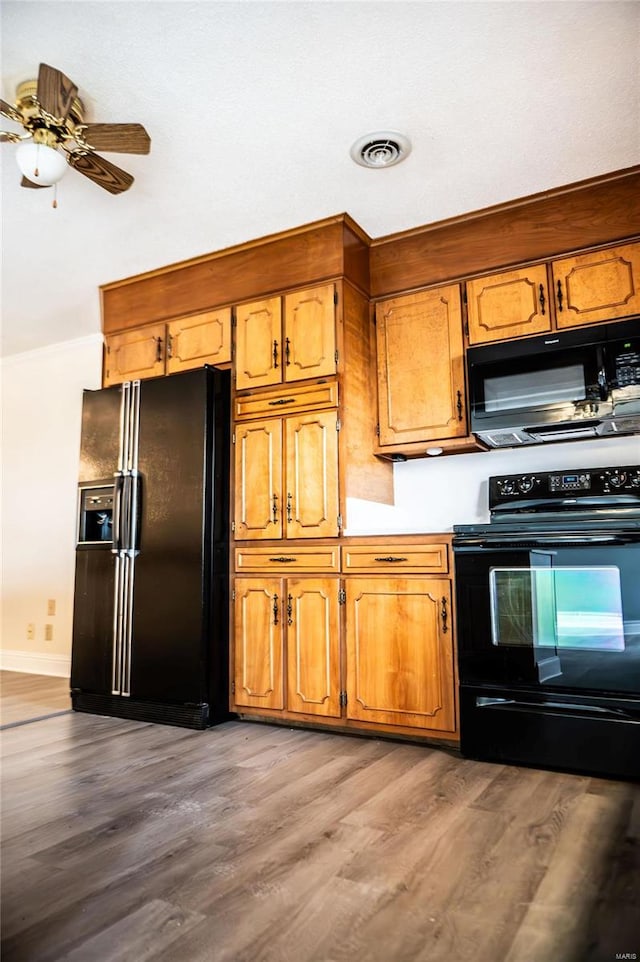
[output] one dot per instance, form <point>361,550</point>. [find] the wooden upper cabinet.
<point>310,333</point>
<point>313,646</point>
<point>165,348</point>
<point>134,354</point>
<point>510,304</point>
<point>259,343</point>
<point>421,387</point>
<point>259,641</point>
<point>273,347</point>
<point>400,652</point>
<point>599,286</point>
<point>199,339</point>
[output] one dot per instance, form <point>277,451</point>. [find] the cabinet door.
<point>258,479</point>
<point>311,476</point>
<point>313,646</point>
<point>508,305</point>
<point>134,354</point>
<point>259,643</point>
<point>399,652</point>
<point>199,339</point>
<point>600,286</point>
<point>259,356</point>
<point>310,333</point>
<point>421,394</point>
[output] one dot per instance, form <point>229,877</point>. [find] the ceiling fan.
<point>55,136</point>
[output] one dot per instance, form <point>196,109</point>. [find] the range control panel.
<point>565,486</point>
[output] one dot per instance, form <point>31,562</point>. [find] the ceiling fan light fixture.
<point>383,148</point>
<point>40,164</point>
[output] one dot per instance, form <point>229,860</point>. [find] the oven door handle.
<point>541,541</point>
<point>558,708</point>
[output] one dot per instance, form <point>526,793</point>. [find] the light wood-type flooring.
<point>24,697</point>
<point>131,842</point>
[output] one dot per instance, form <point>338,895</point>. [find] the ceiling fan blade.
<point>10,112</point>
<point>29,183</point>
<point>55,92</point>
<point>119,138</point>
<point>101,171</point>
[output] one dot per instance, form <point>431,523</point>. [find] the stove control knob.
<point>526,483</point>
<point>508,486</point>
<point>635,480</point>
<point>617,479</point>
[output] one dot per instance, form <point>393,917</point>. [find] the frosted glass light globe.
<point>50,164</point>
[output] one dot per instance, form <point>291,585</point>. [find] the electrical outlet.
<point>51,606</point>
<point>48,632</point>
<point>31,631</point>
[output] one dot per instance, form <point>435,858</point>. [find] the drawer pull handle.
<point>443,613</point>
<point>391,559</point>
<point>283,400</point>
<point>283,559</point>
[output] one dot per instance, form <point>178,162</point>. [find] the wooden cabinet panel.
<point>399,652</point>
<point>311,396</point>
<point>134,354</point>
<point>599,286</point>
<point>258,479</point>
<point>509,304</point>
<point>310,333</point>
<point>258,672</point>
<point>298,558</point>
<point>421,392</point>
<point>313,646</point>
<point>311,476</point>
<point>199,339</point>
<point>385,558</point>
<point>259,344</point>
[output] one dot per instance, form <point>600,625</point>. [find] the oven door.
<point>550,614</point>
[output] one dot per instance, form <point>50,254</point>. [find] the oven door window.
<point>557,608</point>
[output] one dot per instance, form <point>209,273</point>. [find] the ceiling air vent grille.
<point>382,149</point>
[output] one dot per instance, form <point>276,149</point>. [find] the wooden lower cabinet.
<point>287,645</point>
<point>357,635</point>
<point>399,652</point>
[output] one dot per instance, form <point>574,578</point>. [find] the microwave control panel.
<point>561,485</point>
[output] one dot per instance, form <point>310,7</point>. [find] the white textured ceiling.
<point>252,109</point>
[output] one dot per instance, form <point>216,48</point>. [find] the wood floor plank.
<point>257,843</point>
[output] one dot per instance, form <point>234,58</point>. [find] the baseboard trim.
<point>35,663</point>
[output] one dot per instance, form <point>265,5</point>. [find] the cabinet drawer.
<point>283,559</point>
<point>307,397</point>
<point>409,558</point>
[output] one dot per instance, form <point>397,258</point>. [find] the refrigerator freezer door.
<point>100,442</point>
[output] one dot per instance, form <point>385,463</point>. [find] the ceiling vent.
<point>384,148</point>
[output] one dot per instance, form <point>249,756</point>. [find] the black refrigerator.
<point>150,624</point>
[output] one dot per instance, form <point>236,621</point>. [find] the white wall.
<point>41,411</point>
<point>435,493</point>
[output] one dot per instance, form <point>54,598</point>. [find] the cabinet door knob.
<point>275,609</point>
<point>158,349</point>
<point>274,508</point>
<point>459,405</point>
<point>559,295</point>
<point>275,353</point>
<point>170,345</point>
<point>443,614</point>
<point>287,351</point>
<point>289,506</point>
<point>289,609</point>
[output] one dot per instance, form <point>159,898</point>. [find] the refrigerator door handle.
<point>135,500</point>
<point>117,529</point>
<point>116,668</point>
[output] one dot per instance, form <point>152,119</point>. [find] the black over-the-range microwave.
<point>561,386</point>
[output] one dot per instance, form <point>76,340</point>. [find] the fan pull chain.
<point>55,196</point>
